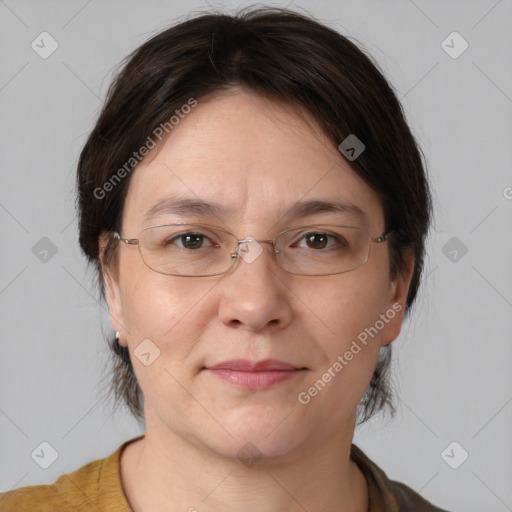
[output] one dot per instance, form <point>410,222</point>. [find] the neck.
<point>166,472</point>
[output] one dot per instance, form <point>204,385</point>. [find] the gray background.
<point>453,358</point>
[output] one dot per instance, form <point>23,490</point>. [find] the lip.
<point>254,374</point>
<point>244,365</point>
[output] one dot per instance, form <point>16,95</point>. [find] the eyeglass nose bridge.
<point>236,254</point>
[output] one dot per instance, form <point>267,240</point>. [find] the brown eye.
<point>192,240</point>
<point>316,240</point>
<point>319,240</point>
<point>186,241</point>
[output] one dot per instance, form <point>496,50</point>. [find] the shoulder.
<point>386,494</point>
<point>33,498</point>
<point>70,492</point>
<point>409,500</point>
<point>94,486</point>
<point>62,495</point>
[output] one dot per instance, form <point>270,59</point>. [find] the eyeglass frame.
<point>235,255</point>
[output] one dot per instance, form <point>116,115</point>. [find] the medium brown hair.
<point>287,57</point>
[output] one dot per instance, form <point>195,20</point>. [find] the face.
<point>256,159</point>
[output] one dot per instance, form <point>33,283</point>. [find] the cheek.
<point>351,303</point>
<point>164,321</point>
<point>350,307</point>
<point>169,311</point>
<point>152,303</point>
<point>349,347</point>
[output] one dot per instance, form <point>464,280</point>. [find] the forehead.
<point>252,157</point>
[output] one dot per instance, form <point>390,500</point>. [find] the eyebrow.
<point>199,207</point>
<point>305,208</point>
<point>185,206</point>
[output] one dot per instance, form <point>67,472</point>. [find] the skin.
<point>258,158</point>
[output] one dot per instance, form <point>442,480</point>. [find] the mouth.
<point>255,375</point>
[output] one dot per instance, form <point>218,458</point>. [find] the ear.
<point>112,291</point>
<point>395,306</point>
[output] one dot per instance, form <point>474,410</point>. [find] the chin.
<point>270,439</point>
<point>250,450</point>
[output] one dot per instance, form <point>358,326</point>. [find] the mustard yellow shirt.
<point>96,487</point>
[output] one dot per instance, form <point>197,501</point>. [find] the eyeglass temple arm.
<point>381,238</point>
<point>131,241</point>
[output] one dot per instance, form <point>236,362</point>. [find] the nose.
<point>254,294</point>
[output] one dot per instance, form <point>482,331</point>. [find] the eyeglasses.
<point>201,250</point>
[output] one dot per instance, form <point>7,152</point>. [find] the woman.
<point>256,208</point>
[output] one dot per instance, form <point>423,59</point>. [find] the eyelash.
<point>302,236</point>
